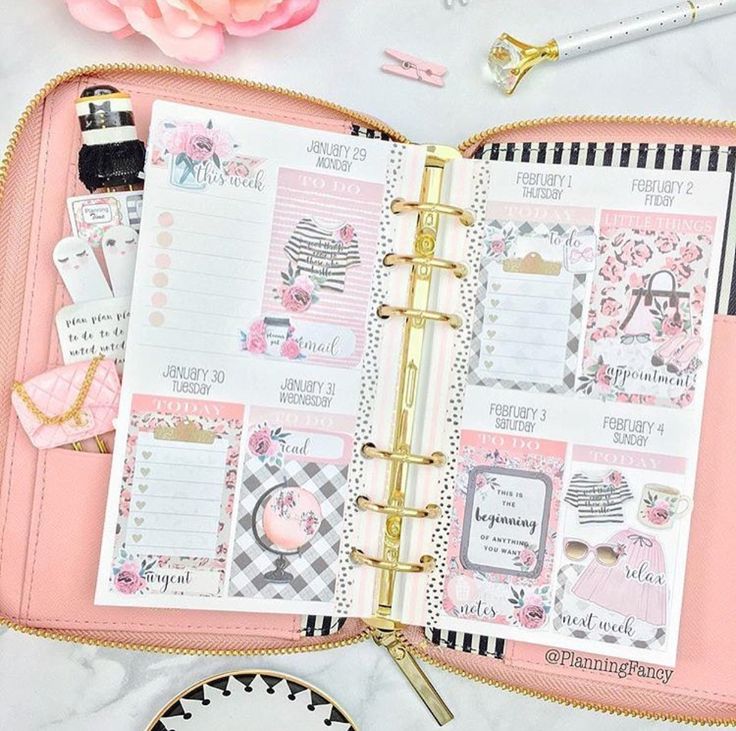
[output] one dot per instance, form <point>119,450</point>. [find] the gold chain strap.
<point>73,412</point>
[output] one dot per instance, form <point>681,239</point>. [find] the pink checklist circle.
<point>158,299</point>
<point>165,219</point>
<point>164,239</point>
<point>156,319</point>
<point>160,279</point>
<point>163,261</point>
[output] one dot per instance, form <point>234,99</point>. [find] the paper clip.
<point>415,68</point>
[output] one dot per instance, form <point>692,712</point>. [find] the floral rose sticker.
<point>526,559</point>
<point>261,443</point>
<point>530,610</point>
<point>299,291</point>
<point>128,580</point>
<point>658,514</point>
<point>267,443</point>
<point>531,616</point>
<point>298,296</point>
<point>658,511</point>
<point>346,233</point>
<point>290,349</point>
<point>128,575</point>
<point>255,340</point>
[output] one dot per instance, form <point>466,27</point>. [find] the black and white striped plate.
<point>252,699</point>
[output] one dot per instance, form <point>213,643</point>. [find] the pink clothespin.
<point>415,68</point>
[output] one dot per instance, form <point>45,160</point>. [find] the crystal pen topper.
<point>510,59</point>
<point>111,157</point>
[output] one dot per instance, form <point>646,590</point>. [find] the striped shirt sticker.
<point>324,252</point>
<point>597,498</point>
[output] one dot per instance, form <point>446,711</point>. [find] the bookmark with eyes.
<point>80,270</point>
<point>119,249</point>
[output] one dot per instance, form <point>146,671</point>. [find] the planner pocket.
<point>64,537</point>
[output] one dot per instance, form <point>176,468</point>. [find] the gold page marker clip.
<point>532,264</point>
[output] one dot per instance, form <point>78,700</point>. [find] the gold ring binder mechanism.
<point>400,456</point>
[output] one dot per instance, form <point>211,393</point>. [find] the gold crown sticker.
<point>184,431</point>
<point>532,263</point>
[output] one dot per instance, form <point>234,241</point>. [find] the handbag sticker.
<point>644,342</point>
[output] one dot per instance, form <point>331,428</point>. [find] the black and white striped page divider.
<point>323,626</point>
<point>358,131</point>
<point>466,642</point>
<point>314,625</point>
<point>645,156</point>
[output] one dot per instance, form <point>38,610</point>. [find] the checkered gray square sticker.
<point>312,569</point>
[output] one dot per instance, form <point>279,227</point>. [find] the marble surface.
<point>54,686</point>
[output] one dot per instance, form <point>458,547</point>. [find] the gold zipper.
<point>497,131</point>
<point>49,634</point>
<point>397,136</point>
<point>364,119</point>
<point>560,699</point>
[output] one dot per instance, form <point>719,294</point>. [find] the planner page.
<point>261,246</point>
<point>583,364</point>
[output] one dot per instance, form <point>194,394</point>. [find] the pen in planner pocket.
<point>111,157</point>
<point>511,59</point>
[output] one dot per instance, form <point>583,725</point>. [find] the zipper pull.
<point>408,665</point>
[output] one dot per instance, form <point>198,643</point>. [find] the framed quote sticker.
<point>506,511</point>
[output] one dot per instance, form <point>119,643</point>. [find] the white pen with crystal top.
<point>511,59</point>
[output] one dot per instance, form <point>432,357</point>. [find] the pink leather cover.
<point>52,501</point>
<point>56,390</point>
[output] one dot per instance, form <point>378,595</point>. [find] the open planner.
<point>379,380</point>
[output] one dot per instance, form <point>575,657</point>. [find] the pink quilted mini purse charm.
<point>69,403</point>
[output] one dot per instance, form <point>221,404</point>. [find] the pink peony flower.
<point>658,515</point>
<point>697,299</point>
<point>257,337</point>
<point>527,558</point>
<point>174,137</point>
<point>346,233</point>
<point>236,168</point>
<point>672,324</point>
<point>609,331</point>
<point>691,252</point>
<point>261,444</point>
<point>190,30</point>
<point>290,349</point>
<point>125,497</point>
<point>531,616</point>
<point>128,580</point>
<point>298,296</point>
<point>612,270</point>
<point>602,379</point>
<point>610,307</point>
<point>498,245</point>
<point>667,242</point>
